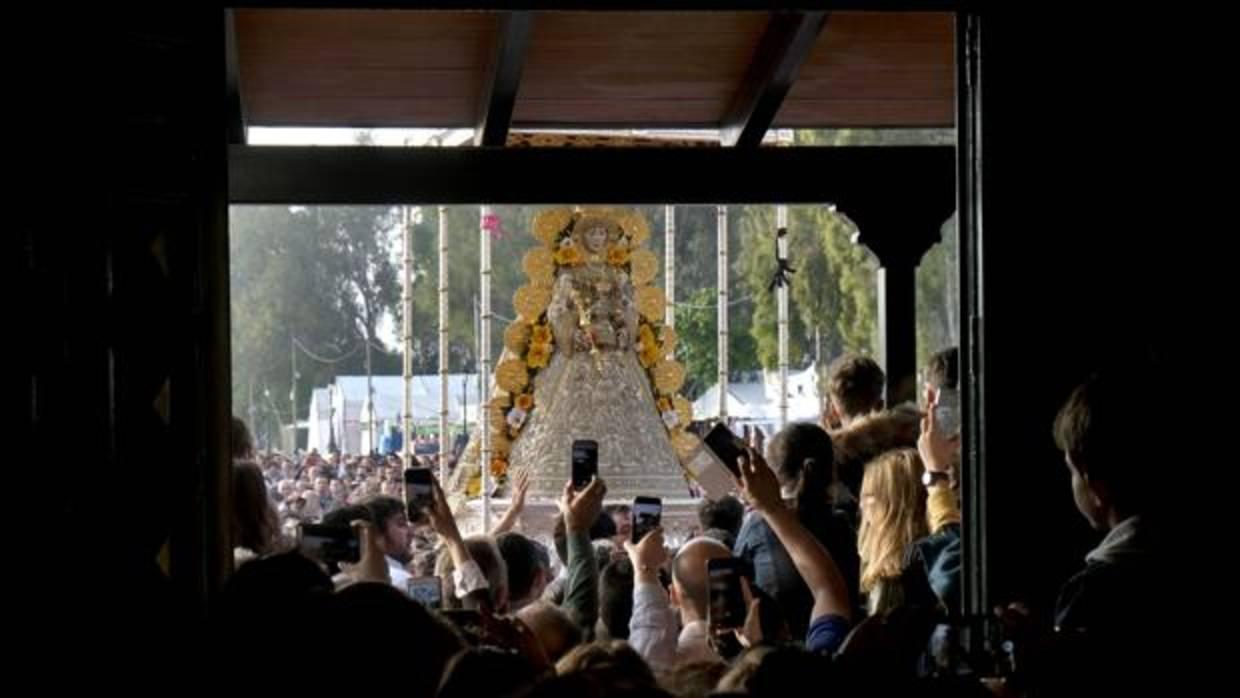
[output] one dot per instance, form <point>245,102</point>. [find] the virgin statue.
<point>589,358</point>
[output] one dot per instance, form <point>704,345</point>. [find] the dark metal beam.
<point>863,182</point>
<point>232,82</point>
<point>787,43</point>
<point>639,5</point>
<point>500,92</point>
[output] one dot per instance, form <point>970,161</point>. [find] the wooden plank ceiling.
<point>405,68</point>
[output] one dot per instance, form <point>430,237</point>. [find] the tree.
<point>321,276</point>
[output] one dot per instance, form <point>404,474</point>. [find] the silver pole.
<point>781,223</point>
<point>722,281</point>
<point>407,343</point>
<point>485,361</point>
<point>443,343</point>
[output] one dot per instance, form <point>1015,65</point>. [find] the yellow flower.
<point>568,256</point>
<point>538,356</point>
<point>649,356</point>
<point>664,404</point>
<point>617,256</point>
<point>499,467</point>
<point>541,334</point>
<point>645,335</point>
<point>525,402</point>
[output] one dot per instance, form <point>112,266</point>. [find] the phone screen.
<point>329,543</point>
<point>585,463</point>
<point>727,447</point>
<point>419,490</point>
<point>426,591</point>
<point>647,514</point>
<point>727,601</point>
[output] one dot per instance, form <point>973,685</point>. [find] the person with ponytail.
<point>802,458</point>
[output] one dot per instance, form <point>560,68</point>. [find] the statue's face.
<point>595,238</point>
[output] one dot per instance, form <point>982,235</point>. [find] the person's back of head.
<point>726,513</point>
<point>774,672</point>
<point>484,552</point>
<point>695,679</point>
<point>690,581</point>
<point>615,603</point>
<point>802,457</point>
<point>1098,429</point>
<point>487,671</point>
<point>612,662</point>
<point>285,592</point>
<point>943,369</point>
<point>255,523</point>
<point>528,567</point>
<point>855,386</point>
<point>551,625</point>
<point>385,620</point>
<point>242,440</point>
<point>893,516</point>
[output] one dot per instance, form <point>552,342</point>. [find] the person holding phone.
<point>830,613</point>
<point>653,627</point>
<point>802,458</point>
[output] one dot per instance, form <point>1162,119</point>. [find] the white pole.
<point>443,344</point>
<point>407,344</point>
<point>781,223</point>
<point>669,263</point>
<point>484,290</point>
<point>722,281</point>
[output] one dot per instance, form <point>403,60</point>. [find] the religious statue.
<point>590,358</point>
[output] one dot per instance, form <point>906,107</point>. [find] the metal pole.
<point>292,392</point>
<point>781,223</point>
<point>407,344</point>
<point>370,402</point>
<point>722,281</point>
<point>669,263</point>
<point>484,271</point>
<point>443,344</point>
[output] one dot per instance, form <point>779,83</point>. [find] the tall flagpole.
<point>443,344</point>
<point>722,281</point>
<point>484,271</point>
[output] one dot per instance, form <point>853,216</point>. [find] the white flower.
<point>566,243</point>
<point>516,417</point>
<point>671,419</point>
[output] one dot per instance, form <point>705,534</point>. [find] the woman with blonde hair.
<point>893,517</point>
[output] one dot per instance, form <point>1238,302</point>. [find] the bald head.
<point>689,572</point>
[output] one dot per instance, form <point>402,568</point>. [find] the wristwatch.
<point>930,478</point>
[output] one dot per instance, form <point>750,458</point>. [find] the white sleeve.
<point>652,627</point>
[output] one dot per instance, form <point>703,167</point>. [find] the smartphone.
<point>331,544</point>
<point>727,447</point>
<point>427,591</point>
<point>727,601</point>
<point>419,491</point>
<point>647,515</point>
<point>585,463</point>
<point>947,413</point>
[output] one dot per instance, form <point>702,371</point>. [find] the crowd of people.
<point>848,532</point>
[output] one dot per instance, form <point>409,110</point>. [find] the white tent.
<point>757,402</point>
<point>344,405</point>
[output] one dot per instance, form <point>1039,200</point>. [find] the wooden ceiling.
<point>676,70</point>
